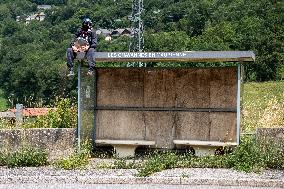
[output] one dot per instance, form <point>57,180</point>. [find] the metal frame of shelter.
<point>189,56</point>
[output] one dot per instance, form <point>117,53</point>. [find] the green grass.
<point>3,102</point>
<point>263,105</point>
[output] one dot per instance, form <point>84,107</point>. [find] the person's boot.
<point>71,72</point>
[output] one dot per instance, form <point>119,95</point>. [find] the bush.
<point>79,159</point>
<point>213,161</point>
<point>74,161</point>
<point>158,162</point>
<point>64,116</point>
<point>250,155</point>
<point>3,158</point>
<point>274,153</point>
<point>247,157</point>
<point>253,155</point>
<point>6,124</point>
<point>24,157</point>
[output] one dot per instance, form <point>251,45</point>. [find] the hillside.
<point>263,105</point>
<point>32,56</point>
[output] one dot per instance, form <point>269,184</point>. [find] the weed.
<point>77,160</point>
<point>158,162</point>
<point>74,161</point>
<point>24,157</point>
<point>3,158</point>
<point>249,156</point>
<point>124,164</point>
<point>104,165</point>
<point>6,124</point>
<point>184,175</point>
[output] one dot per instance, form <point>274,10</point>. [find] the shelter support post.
<point>239,102</point>
<point>79,108</point>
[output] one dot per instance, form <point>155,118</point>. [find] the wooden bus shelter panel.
<point>166,104</point>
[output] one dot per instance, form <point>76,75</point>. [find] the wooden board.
<point>160,127</point>
<point>120,125</point>
<point>223,127</point>
<point>192,88</point>
<point>120,87</point>
<point>193,126</point>
<point>159,88</point>
<point>166,88</point>
<point>223,88</point>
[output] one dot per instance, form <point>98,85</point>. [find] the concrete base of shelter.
<point>123,151</point>
<point>204,148</point>
<point>125,148</point>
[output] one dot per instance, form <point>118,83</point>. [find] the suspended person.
<point>87,33</point>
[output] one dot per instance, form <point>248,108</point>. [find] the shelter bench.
<point>125,148</point>
<point>203,148</point>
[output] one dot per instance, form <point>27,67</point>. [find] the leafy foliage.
<point>77,160</point>
<point>74,161</point>
<point>250,155</point>
<point>64,116</point>
<point>24,157</point>
<point>32,56</point>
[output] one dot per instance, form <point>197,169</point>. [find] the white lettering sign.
<point>145,55</point>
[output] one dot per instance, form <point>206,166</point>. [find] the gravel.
<point>92,175</point>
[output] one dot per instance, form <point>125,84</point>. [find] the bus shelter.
<point>164,108</point>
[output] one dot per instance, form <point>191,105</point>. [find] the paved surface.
<point>121,186</point>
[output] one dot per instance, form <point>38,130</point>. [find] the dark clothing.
<point>91,37</point>
<point>90,55</point>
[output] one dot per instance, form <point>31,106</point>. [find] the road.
<point>119,186</point>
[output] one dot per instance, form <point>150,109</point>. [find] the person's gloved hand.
<point>84,48</point>
<point>75,49</point>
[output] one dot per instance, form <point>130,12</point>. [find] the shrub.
<point>250,155</point>
<point>247,156</point>
<point>211,161</point>
<point>158,162</point>
<point>6,124</point>
<point>74,161</point>
<point>3,158</point>
<point>253,155</point>
<point>64,116</point>
<point>274,153</point>
<point>79,159</point>
<point>124,164</point>
<point>24,157</point>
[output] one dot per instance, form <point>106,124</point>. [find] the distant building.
<point>38,16</point>
<point>103,32</point>
<point>108,38</point>
<point>27,112</point>
<point>44,7</point>
<point>121,32</point>
<point>108,34</point>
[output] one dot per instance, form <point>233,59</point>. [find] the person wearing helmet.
<point>87,33</point>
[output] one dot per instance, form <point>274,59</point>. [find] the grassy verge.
<point>249,156</point>
<point>263,105</point>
